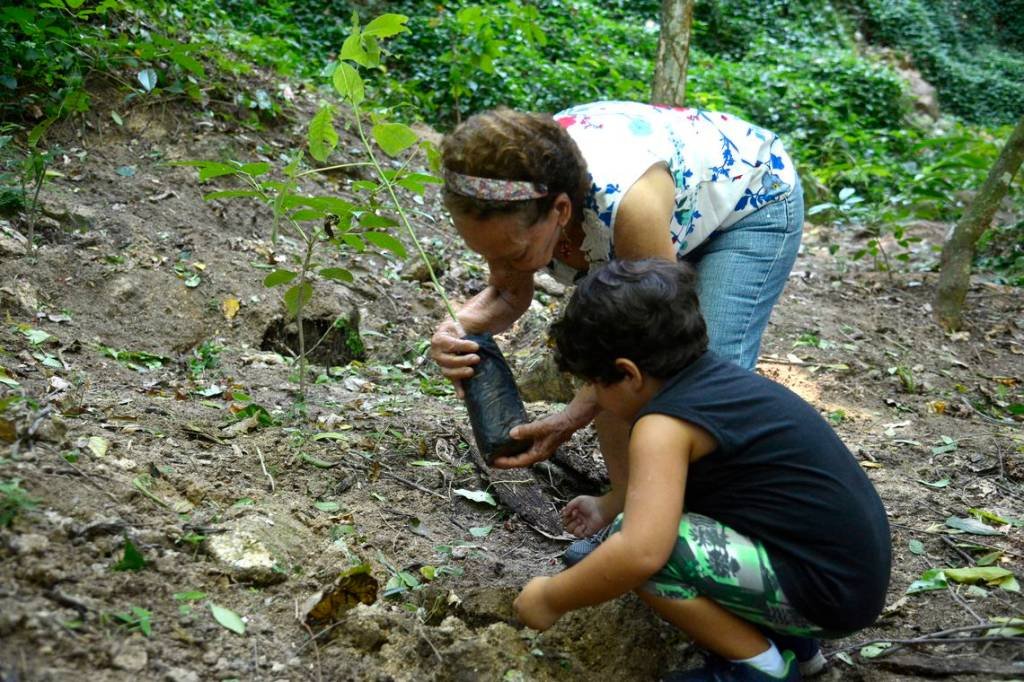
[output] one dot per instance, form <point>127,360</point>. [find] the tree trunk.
<point>958,251</point>
<point>673,53</point>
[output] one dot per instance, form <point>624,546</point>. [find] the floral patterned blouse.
<point>724,168</point>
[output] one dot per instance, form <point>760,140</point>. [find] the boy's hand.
<point>585,515</point>
<point>532,607</point>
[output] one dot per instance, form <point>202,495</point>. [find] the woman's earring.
<point>564,245</point>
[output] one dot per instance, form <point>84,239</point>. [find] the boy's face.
<point>626,397</point>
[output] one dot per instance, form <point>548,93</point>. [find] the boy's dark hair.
<point>645,311</point>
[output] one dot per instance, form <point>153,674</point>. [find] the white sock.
<point>769,661</point>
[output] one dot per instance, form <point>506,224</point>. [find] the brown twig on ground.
<point>263,465</point>
<point>988,417</point>
<point>413,484</point>
<point>316,650</point>
<point>945,539</point>
<point>939,637</point>
<point>932,666</point>
<point>423,634</point>
<point>955,594</point>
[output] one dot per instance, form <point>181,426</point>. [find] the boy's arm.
<point>659,456</point>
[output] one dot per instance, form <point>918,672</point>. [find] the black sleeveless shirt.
<point>782,476</point>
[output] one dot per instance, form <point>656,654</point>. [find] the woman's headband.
<point>493,189</point>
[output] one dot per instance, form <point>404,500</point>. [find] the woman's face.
<point>504,240</point>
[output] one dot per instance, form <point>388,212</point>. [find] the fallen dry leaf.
<point>230,306</point>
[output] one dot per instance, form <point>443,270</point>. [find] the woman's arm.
<point>643,219</point>
<point>506,298</point>
<point>659,456</point>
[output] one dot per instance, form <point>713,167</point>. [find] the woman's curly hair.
<point>513,145</point>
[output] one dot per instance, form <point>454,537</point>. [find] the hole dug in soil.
<point>341,340</point>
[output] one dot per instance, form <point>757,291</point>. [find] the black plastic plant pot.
<point>493,402</point>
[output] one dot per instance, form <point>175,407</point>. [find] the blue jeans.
<point>741,270</point>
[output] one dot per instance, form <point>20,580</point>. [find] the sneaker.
<point>807,650</point>
<point>718,669</point>
<point>578,551</point>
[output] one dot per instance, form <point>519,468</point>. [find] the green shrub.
<point>971,50</point>
<point>581,53</point>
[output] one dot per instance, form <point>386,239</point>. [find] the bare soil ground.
<point>261,519</point>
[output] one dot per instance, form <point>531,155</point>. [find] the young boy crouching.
<point>744,514</point>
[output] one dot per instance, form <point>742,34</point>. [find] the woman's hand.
<point>453,354</point>
<point>548,433</point>
<point>532,607</point>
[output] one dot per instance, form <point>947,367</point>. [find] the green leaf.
<point>374,221</point>
<point>187,62</point>
<point>986,515</point>
<point>230,194</point>
<point>971,525</point>
<point>36,336</point>
<point>408,579</point>
<point>337,274</point>
<point>255,168</point>
<point>330,435</point>
<point>353,50</point>
<point>228,618</point>
<point>297,297</point>
<point>39,130</point>
<point>875,650</point>
<point>148,79</point>
<point>132,559</point>
<point>916,547</point>
<point>306,215</point>
<point>191,595</point>
<point>417,182</point>
<point>278,277</point>
<point>939,484</point>
<point>117,117</point>
<point>214,169</point>
<point>386,25</point>
<point>327,506</point>
<point>992,576</point>
<point>477,496</point>
<point>990,558</point>
<point>932,579</point>
<point>394,138</point>
<point>481,531</point>
<point>349,83</point>
<point>354,242</point>
<point>1011,627</point>
<point>323,138</point>
<point>338,207</point>
<point>383,240</point>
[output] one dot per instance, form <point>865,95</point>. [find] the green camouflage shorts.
<point>714,561</point>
